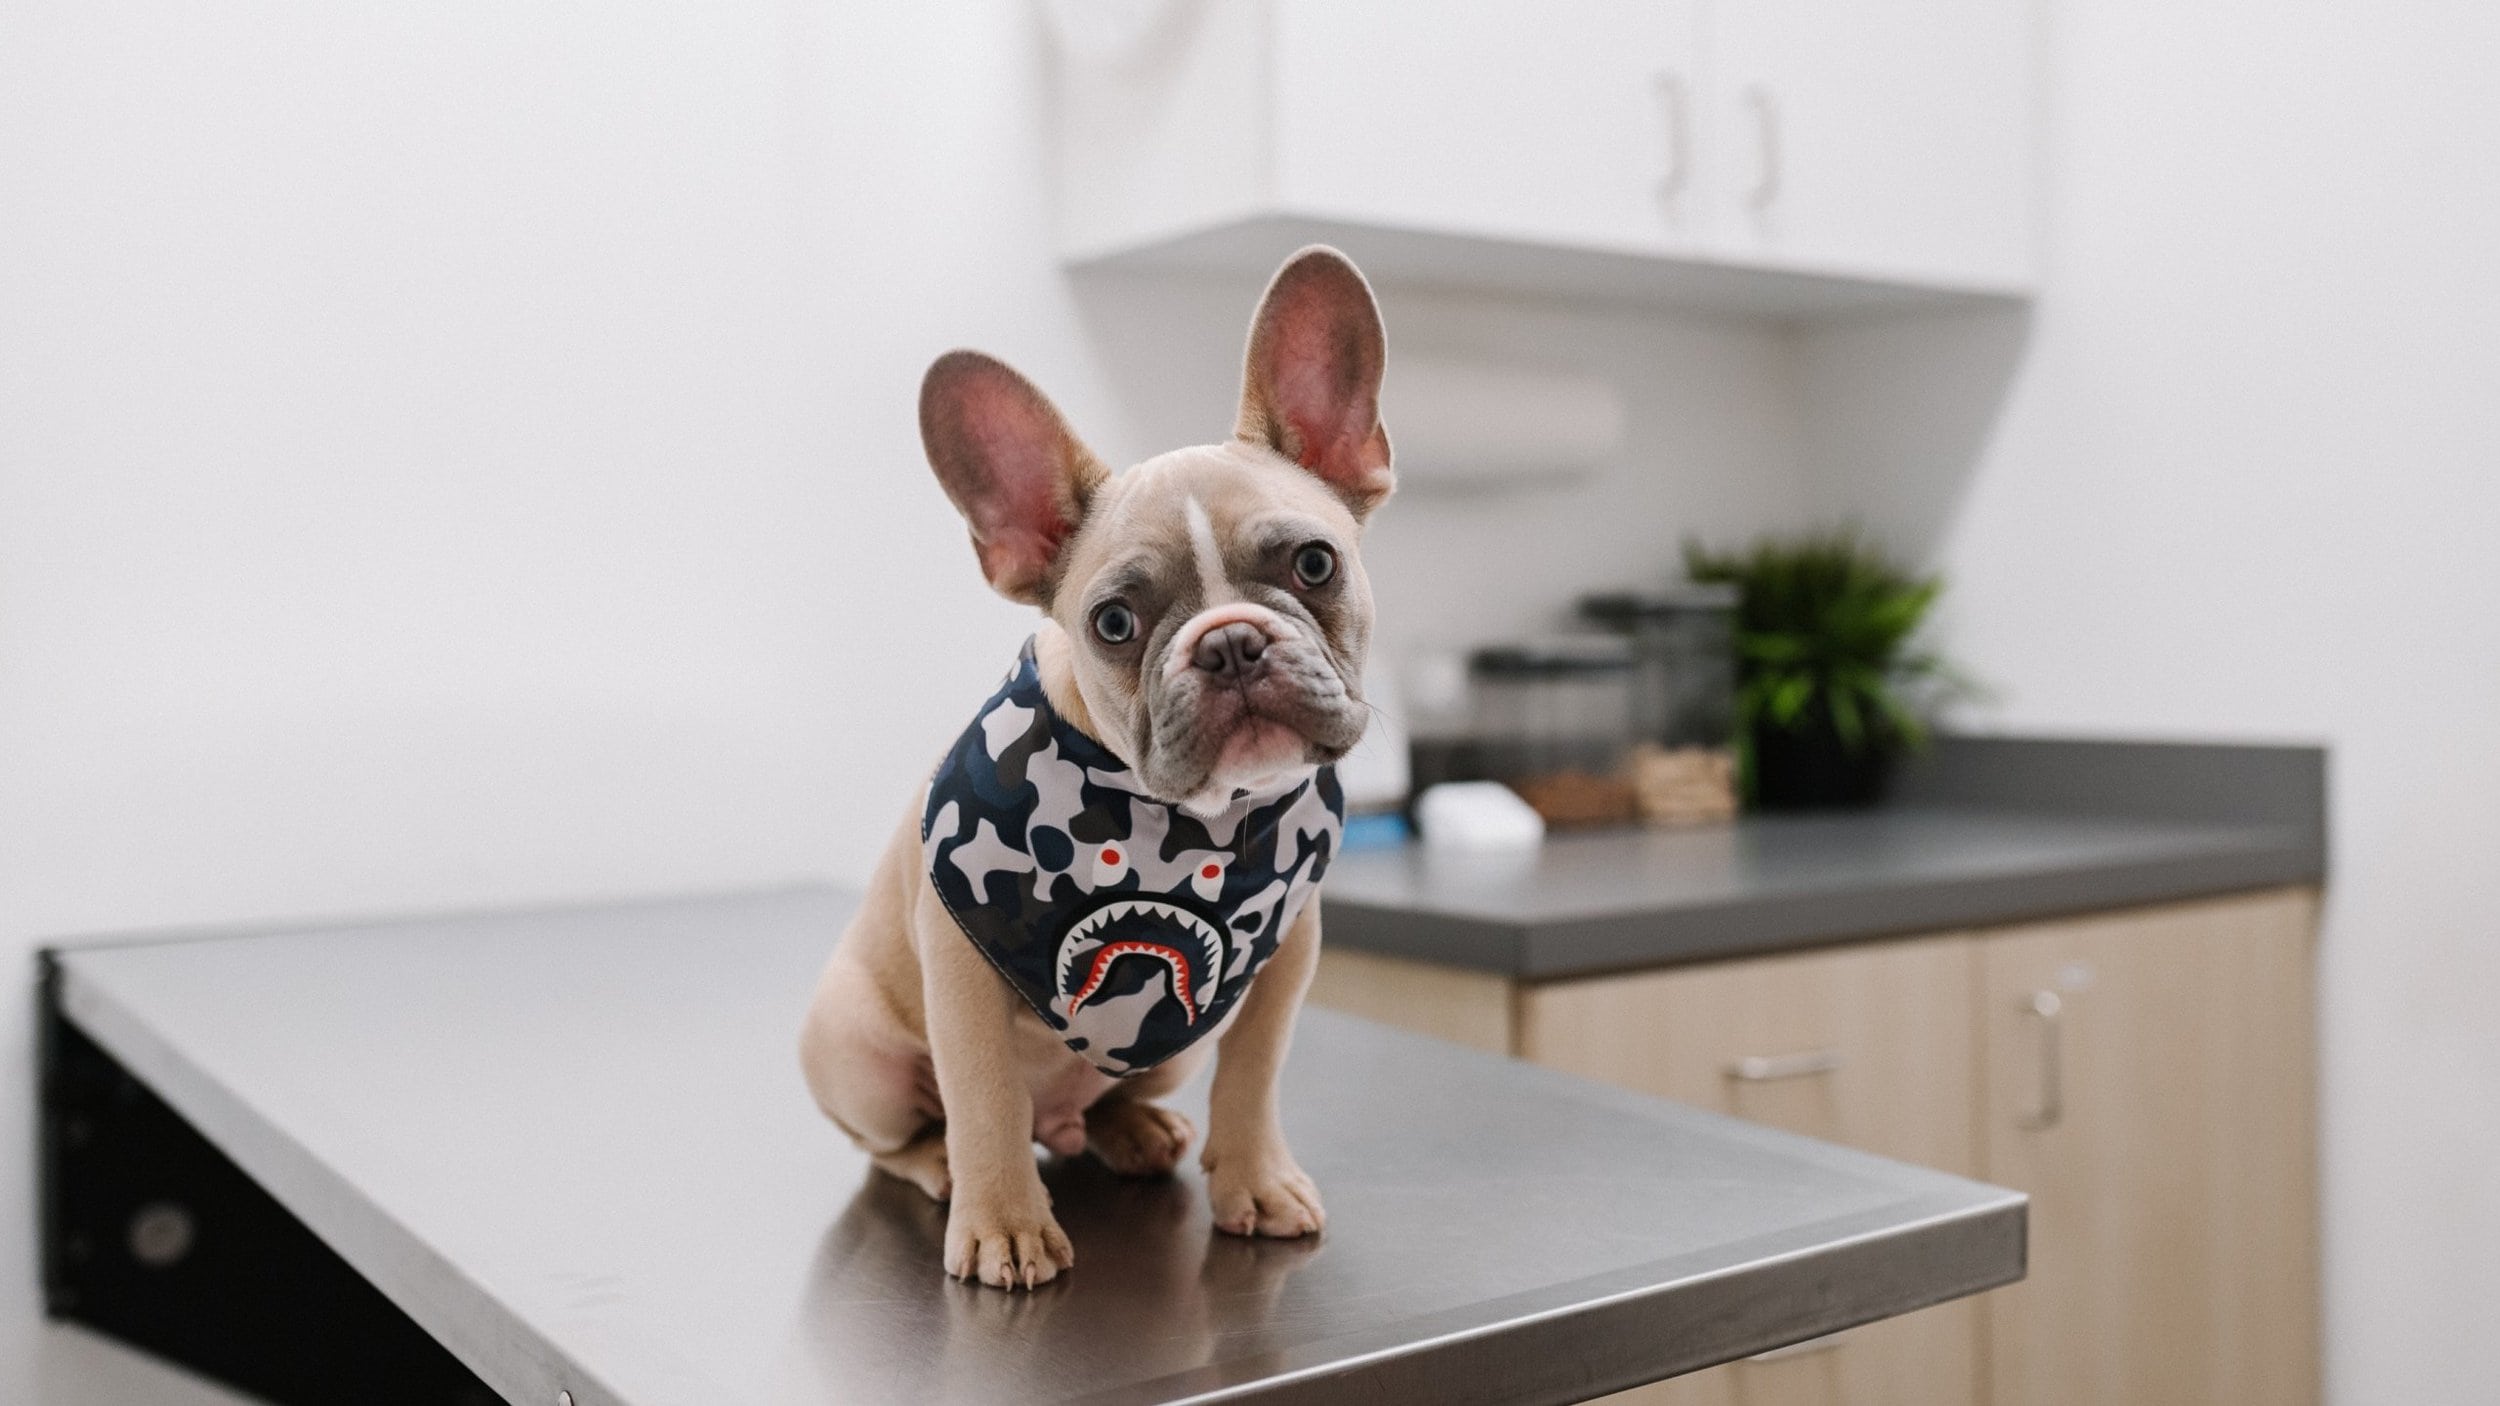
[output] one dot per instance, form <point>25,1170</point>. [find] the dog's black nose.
<point>1230,652</point>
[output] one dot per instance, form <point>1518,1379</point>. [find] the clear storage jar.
<point>1682,641</point>
<point>1554,722</point>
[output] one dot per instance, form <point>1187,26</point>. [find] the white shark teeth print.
<point>1083,940</point>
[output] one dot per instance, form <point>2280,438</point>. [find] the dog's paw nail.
<point>1022,1251</point>
<point>1275,1200</point>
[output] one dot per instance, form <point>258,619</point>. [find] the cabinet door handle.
<point>1824,1343</point>
<point>1756,1069</point>
<point>1766,117</point>
<point>1672,101</point>
<point>2046,1007</point>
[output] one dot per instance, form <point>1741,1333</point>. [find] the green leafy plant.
<point>1823,639</point>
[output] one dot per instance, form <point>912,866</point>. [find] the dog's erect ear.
<point>1008,461</point>
<point>1311,383</point>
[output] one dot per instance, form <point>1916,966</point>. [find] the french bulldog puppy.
<point>1132,828</point>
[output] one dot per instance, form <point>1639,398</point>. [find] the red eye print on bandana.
<point>1208,879</point>
<point>1110,864</point>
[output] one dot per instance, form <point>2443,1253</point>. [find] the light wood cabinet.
<point>1869,1046</point>
<point>2151,1084</point>
<point>2146,1075</point>
<point>1448,1003</point>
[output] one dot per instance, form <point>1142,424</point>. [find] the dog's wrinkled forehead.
<point>1197,527</point>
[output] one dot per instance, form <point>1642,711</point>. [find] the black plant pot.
<point>1809,768</point>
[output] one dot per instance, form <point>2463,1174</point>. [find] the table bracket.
<point>153,1236</point>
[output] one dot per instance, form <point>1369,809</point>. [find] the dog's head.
<point>1212,598</point>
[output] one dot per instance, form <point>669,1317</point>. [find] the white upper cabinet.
<point>1879,139</point>
<point>1559,121</point>
<point>1779,156</point>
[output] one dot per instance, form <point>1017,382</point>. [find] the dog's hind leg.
<point>867,1072</point>
<point>922,1162</point>
<point>1136,1137</point>
<point>861,1048</point>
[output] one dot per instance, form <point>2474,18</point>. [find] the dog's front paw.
<point>1010,1245</point>
<point>1135,1138</point>
<point>1262,1191</point>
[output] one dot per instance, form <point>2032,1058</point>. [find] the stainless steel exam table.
<point>565,1156</point>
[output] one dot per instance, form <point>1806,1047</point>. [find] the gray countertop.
<point>1989,831</point>
<point>574,1147</point>
<point>1586,904</point>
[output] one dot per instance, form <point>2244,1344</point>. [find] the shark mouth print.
<point>1096,944</point>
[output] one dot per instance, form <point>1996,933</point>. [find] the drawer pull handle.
<point>1824,1343</point>
<point>1672,103</point>
<point>1756,1069</point>
<point>2047,1007</point>
<point>1766,117</point>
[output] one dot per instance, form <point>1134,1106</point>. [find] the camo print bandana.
<point>1131,925</point>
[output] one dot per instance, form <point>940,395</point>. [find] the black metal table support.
<point>152,1236</point>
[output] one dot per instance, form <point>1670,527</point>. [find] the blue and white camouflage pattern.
<point>1132,926</point>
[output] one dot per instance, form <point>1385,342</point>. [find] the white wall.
<point>464,454</point>
<point>2247,481</point>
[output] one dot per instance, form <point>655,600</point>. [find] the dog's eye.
<point>1314,565</point>
<point>1115,624</point>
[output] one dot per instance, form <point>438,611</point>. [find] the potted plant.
<point>1829,692</point>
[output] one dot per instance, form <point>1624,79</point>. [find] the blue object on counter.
<point>1375,832</point>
